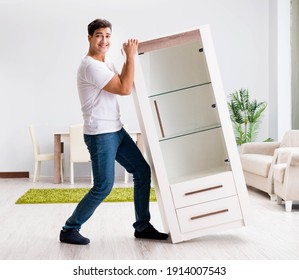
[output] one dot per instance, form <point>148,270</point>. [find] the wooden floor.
<point>31,232</point>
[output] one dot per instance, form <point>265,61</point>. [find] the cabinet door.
<point>194,155</point>
<point>174,68</point>
<point>184,111</point>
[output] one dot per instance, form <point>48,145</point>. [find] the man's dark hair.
<point>96,24</point>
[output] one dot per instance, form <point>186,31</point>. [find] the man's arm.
<point>122,84</point>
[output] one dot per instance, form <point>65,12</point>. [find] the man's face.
<point>100,40</point>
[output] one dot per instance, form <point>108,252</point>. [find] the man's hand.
<point>122,84</point>
<point>130,48</point>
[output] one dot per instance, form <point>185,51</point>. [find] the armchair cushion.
<point>290,139</point>
<point>284,153</point>
<point>256,163</point>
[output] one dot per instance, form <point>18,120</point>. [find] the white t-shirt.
<point>99,107</point>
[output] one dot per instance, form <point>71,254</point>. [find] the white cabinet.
<point>188,135</point>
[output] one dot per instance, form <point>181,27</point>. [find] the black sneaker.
<point>72,236</point>
<point>151,233</point>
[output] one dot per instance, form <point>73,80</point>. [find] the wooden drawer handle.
<point>209,214</point>
<point>204,190</point>
<point>159,118</point>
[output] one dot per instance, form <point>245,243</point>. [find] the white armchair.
<point>286,177</point>
<point>258,160</point>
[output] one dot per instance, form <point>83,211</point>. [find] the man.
<point>107,141</point>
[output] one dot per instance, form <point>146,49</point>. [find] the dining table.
<point>62,137</point>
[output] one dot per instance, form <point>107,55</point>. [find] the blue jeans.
<point>104,149</point>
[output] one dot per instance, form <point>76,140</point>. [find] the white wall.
<point>284,112</point>
<point>280,67</point>
<point>42,43</point>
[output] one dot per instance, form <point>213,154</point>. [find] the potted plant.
<point>245,116</point>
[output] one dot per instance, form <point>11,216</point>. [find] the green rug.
<point>74,195</point>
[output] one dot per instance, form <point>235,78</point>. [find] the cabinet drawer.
<point>209,214</point>
<point>203,189</point>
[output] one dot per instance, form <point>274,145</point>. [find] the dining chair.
<point>78,149</point>
<point>39,157</point>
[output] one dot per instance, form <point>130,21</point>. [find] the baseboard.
<point>22,174</point>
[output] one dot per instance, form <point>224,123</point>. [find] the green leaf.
<point>245,115</point>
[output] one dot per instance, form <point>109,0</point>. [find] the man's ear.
<point>89,38</point>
